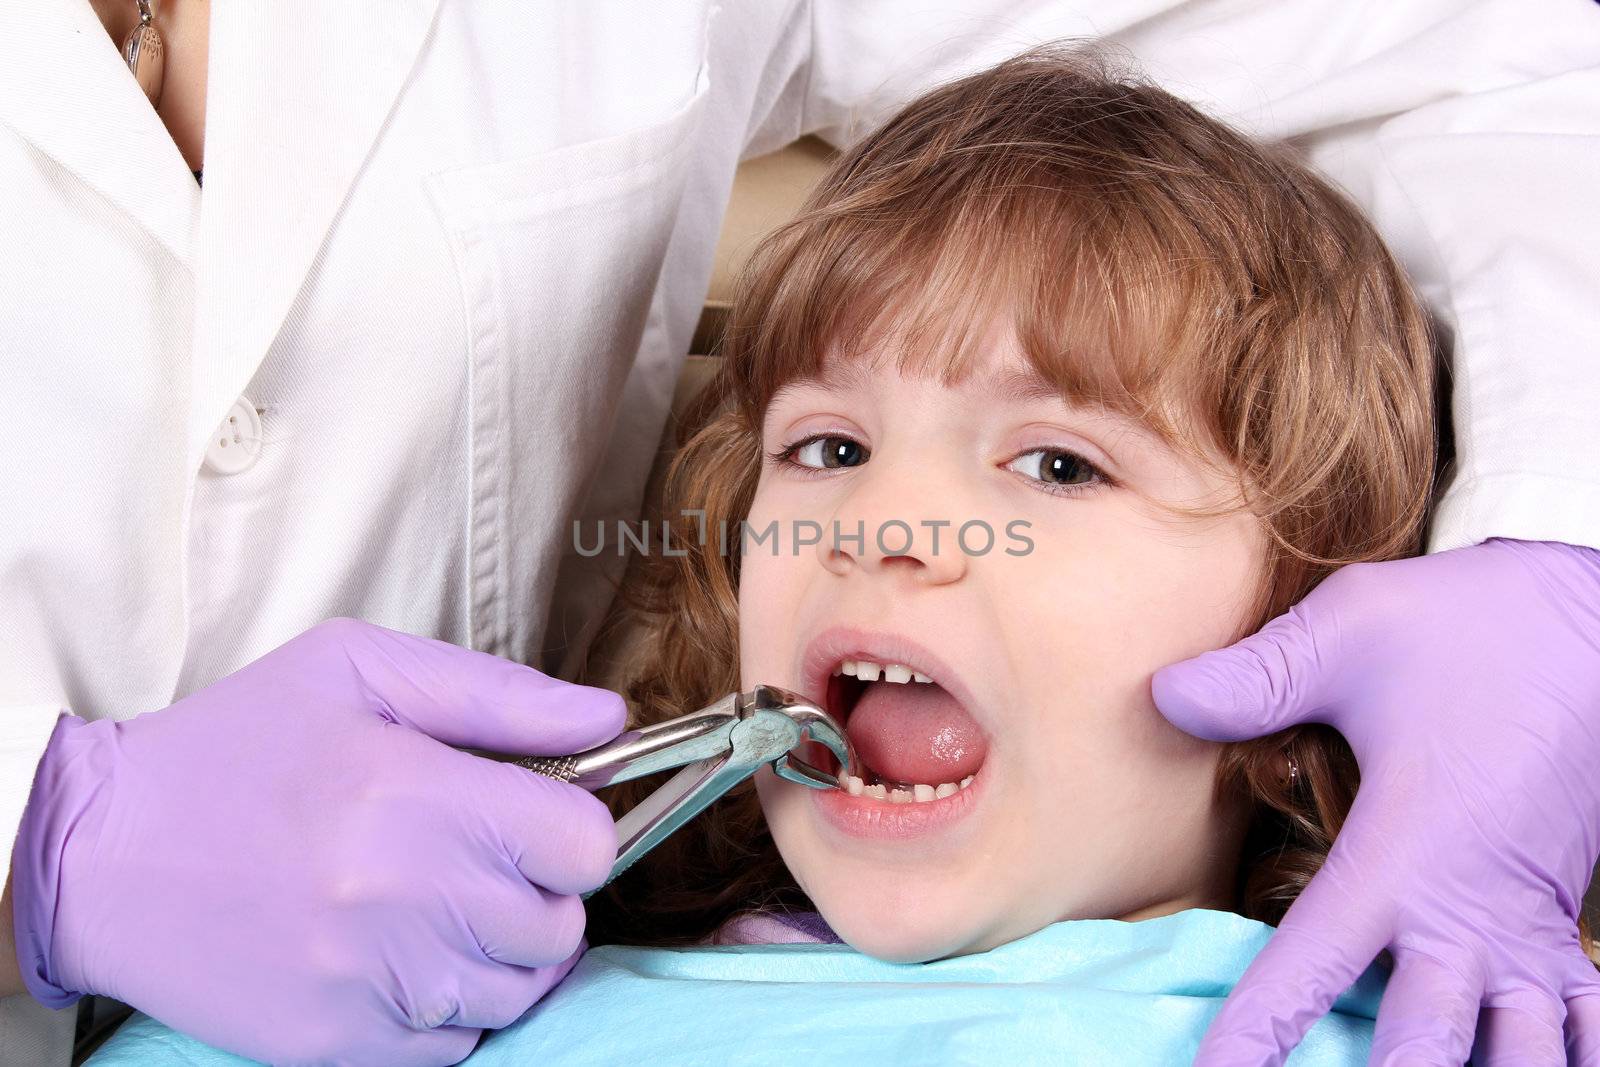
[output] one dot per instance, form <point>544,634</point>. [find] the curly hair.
<point>1151,260</point>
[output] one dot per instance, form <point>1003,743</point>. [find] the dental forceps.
<point>718,747</point>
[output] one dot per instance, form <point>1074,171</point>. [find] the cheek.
<point>769,590</point>
<point>1196,594</point>
<point>1097,608</point>
<point>1124,596</point>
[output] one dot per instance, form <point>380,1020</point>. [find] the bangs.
<point>1148,261</point>
<point>1102,292</point>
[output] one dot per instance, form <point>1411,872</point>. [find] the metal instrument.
<point>718,747</point>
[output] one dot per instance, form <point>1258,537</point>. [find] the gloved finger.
<point>551,834</point>
<point>1326,939</point>
<point>427,1048</point>
<point>1524,1029</point>
<point>1580,994</point>
<point>498,996</point>
<point>558,836</point>
<point>523,925</point>
<point>1582,1030</point>
<point>1429,1013</point>
<point>1273,679</point>
<point>475,700</point>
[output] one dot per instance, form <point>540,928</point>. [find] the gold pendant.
<point>146,54</point>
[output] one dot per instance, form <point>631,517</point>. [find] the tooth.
<point>922,793</point>
<point>876,792</point>
<point>848,667</point>
<point>897,674</point>
<point>945,790</point>
<point>867,672</point>
<point>919,676</point>
<point>967,780</point>
<point>853,785</point>
<point>899,796</point>
<point>838,669</point>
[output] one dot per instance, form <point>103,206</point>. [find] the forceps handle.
<point>749,743</point>
<point>685,795</point>
<point>644,751</point>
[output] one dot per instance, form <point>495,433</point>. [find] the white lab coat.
<point>454,251</point>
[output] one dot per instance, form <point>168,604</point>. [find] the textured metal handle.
<point>561,768</point>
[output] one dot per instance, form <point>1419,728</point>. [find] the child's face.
<point>1086,803</point>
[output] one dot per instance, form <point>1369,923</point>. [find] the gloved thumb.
<point>1330,934</point>
<point>1269,681</point>
<point>476,700</point>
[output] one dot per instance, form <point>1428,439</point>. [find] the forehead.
<point>995,365</point>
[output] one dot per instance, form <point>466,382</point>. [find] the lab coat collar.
<point>65,89</point>
<point>296,97</point>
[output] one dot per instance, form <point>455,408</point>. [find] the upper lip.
<point>838,643</point>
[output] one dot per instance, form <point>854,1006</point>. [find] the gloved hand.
<point>289,865</point>
<point>1468,686</point>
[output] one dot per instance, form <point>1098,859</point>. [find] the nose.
<point>884,525</point>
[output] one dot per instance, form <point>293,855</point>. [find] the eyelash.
<point>785,457</point>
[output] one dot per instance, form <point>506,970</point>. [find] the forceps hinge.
<point>717,747</point>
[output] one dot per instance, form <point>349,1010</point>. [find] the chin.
<point>896,932</point>
<point>912,947</point>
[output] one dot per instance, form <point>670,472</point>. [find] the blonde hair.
<point>1150,260</point>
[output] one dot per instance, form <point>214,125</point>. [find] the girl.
<point>1074,382</point>
<point>1047,299</point>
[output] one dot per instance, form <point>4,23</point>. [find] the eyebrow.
<point>1013,384</point>
<point>1022,385</point>
<point>826,376</point>
<point>1016,384</point>
<point>830,374</point>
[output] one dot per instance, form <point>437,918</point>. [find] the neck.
<point>185,27</point>
<point>119,17</point>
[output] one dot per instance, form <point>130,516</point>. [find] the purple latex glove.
<point>1468,686</point>
<point>291,866</point>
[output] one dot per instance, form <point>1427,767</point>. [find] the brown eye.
<point>1055,467</point>
<point>830,451</point>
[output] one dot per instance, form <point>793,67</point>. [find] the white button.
<point>237,440</point>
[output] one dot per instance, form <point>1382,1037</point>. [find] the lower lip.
<point>867,817</point>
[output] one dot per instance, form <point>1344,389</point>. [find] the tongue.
<point>915,733</point>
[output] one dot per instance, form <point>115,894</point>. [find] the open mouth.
<point>913,737</point>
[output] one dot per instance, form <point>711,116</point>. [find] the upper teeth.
<point>917,794</point>
<point>868,671</point>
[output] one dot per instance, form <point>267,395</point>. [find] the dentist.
<point>349,309</point>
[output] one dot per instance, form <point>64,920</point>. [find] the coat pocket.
<point>559,257</point>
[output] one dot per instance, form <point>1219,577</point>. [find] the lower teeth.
<point>916,794</point>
